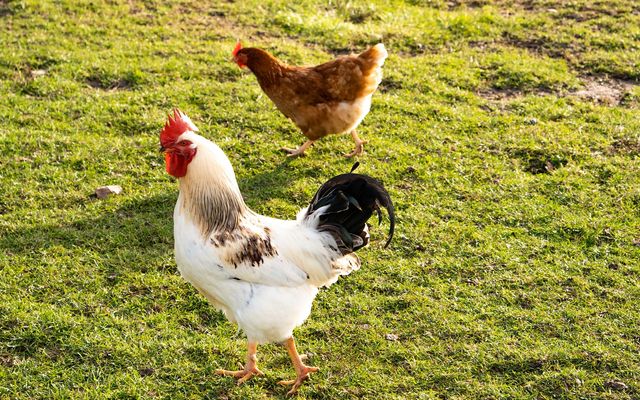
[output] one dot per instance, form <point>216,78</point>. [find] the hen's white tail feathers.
<point>380,54</point>
<point>375,55</point>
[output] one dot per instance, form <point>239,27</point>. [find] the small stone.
<point>391,337</point>
<point>36,73</point>
<point>531,121</point>
<point>105,191</point>
<point>616,385</point>
<point>579,382</point>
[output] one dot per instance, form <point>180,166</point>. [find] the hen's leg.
<point>359,145</point>
<point>300,150</point>
<point>302,371</point>
<point>250,368</point>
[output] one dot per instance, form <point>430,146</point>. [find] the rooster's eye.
<point>183,143</point>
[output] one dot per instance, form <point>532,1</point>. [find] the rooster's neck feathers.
<point>210,209</point>
<point>209,193</point>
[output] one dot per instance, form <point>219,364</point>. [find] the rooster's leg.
<point>302,371</point>
<point>359,145</point>
<point>300,150</point>
<point>250,368</point>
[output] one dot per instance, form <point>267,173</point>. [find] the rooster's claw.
<point>242,375</point>
<point>303,375</point>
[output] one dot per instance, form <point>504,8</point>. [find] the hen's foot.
<point>303,375</point>
<point>358,150</point>
<point>294,152</point>
<point>243,375</point>
<point>299,152</point>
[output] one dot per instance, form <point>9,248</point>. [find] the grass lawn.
<point>507,132</point>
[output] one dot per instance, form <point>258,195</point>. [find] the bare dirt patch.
<point>8,360</point>
<point>505,6</point>
<point>625,145</point>
<point>570,51</point>
<point>498,100</point>
<point>540,161</point>
<point>596,10</point>
<point>111,86</point>
<point>389,84</point>
<point>5,8</point>
<point>501,94</point>
<point>600,90</point>
<point>604,91</point>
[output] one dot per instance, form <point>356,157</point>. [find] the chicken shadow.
<point>140,225</point>
<point>258,188</point>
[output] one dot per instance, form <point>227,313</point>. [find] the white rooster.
<point>263,273</point>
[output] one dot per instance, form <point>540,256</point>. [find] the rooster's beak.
<point>162,149</point>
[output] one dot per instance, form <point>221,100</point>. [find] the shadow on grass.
<point>277,182</point>
<point>138,224</point>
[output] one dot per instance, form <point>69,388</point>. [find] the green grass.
<point>514,273</point>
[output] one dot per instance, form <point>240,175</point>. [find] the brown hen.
<point>325,99</point>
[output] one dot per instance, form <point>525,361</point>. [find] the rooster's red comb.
<point>174,127</point>
<point>237,48</point>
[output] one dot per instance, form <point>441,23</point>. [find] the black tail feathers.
<point>351,200</point>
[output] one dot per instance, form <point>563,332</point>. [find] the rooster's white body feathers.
<point>263,274</point>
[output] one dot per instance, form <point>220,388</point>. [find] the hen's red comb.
<point>174,127</point>
<point>237,48</point>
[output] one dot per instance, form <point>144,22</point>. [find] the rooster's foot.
<point>243,375</point>
<point>303,375</point>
